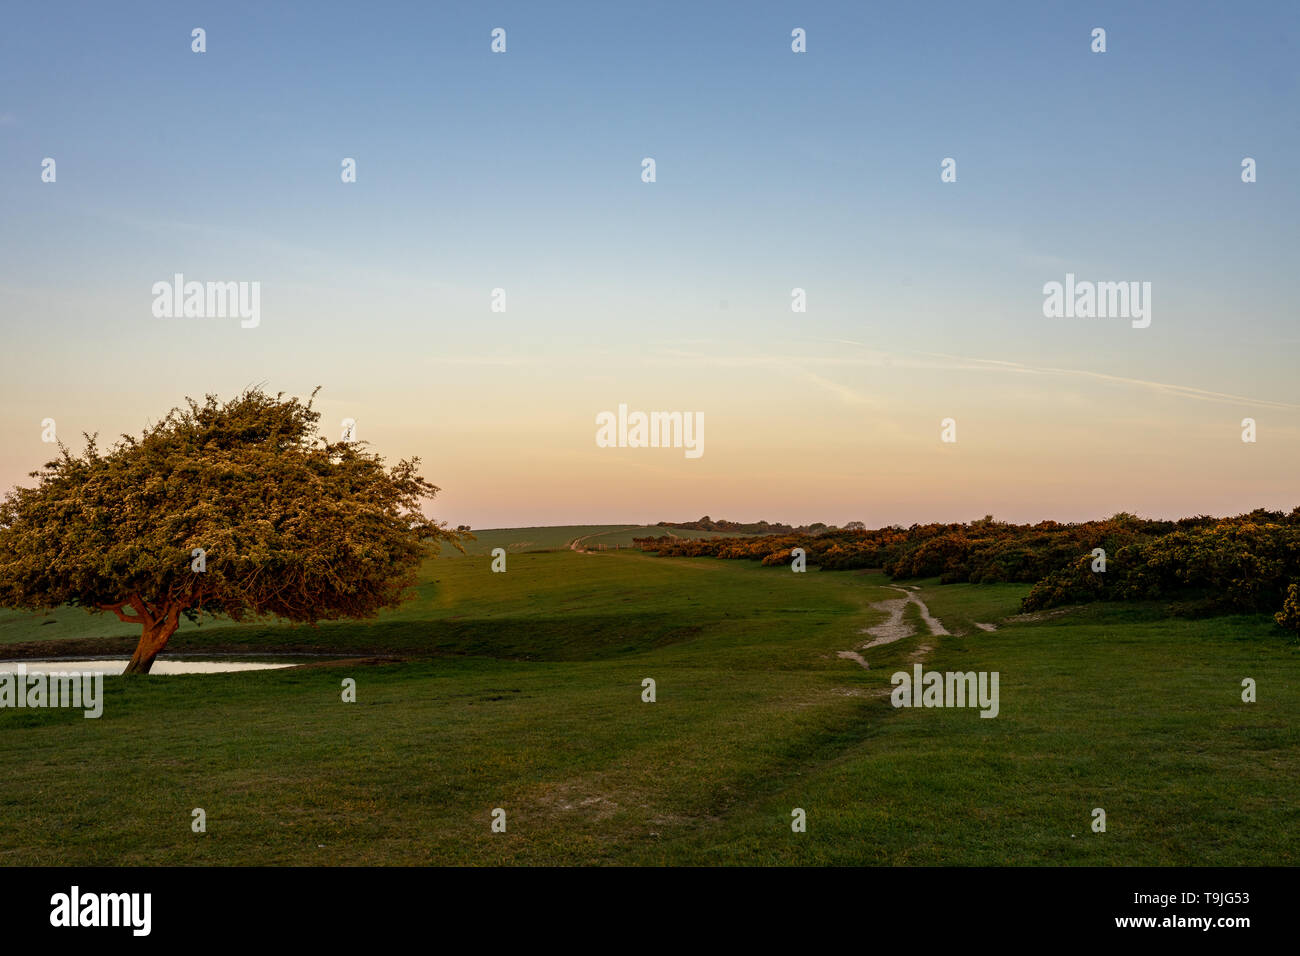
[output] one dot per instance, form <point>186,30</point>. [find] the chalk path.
<point>895,628</point>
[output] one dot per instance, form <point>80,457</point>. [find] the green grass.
<point>532,539</point>
<point>523,691</point>
<point>516,540</point>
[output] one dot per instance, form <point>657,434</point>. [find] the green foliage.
<point>1289,616</point>
<point>732,527</point>
<point>1209,564</point>
<point>293,526</point>
<point>1238,564</point>
<point>983,551</point>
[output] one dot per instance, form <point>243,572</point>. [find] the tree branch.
<point>147,618</point>
<point>117,609</point>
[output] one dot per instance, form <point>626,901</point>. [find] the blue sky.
<point>522,171</point>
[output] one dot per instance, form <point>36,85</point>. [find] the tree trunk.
<point>152,641</point>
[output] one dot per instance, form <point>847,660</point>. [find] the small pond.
<point>109,666</point>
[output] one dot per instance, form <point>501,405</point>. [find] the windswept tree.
<point>239,509</point>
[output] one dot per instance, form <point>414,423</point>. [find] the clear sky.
<point>775,170</point>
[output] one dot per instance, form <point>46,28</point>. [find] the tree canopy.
<point>236,508</point>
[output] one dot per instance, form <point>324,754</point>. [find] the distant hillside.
<point>558,538</point>
<point>755,527</point>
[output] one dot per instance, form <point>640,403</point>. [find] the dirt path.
<point>933,623</point>
<point>576,543</point>
<point>895,628</point>
<point>853,656</point>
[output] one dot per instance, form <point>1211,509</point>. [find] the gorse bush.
<point>981,551</point>
<point>1238,565</point>
<point>1248,563</point>
<point>1289,616</point>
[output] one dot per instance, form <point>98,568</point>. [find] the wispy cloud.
<point>872,357</point>
<point>846,394</point>
<point>509,361</point>
<point>869,357</point>
<point>1168,388</point>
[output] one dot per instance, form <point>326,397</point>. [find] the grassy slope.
<point>77,624</point>
<point>516,540</point>
<point>523,692</point>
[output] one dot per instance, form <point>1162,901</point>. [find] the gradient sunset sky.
<point>775,170</point>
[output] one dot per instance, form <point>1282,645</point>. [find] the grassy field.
<point>523,691</point>
<point>516,540</point>
<point>72,623</point>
